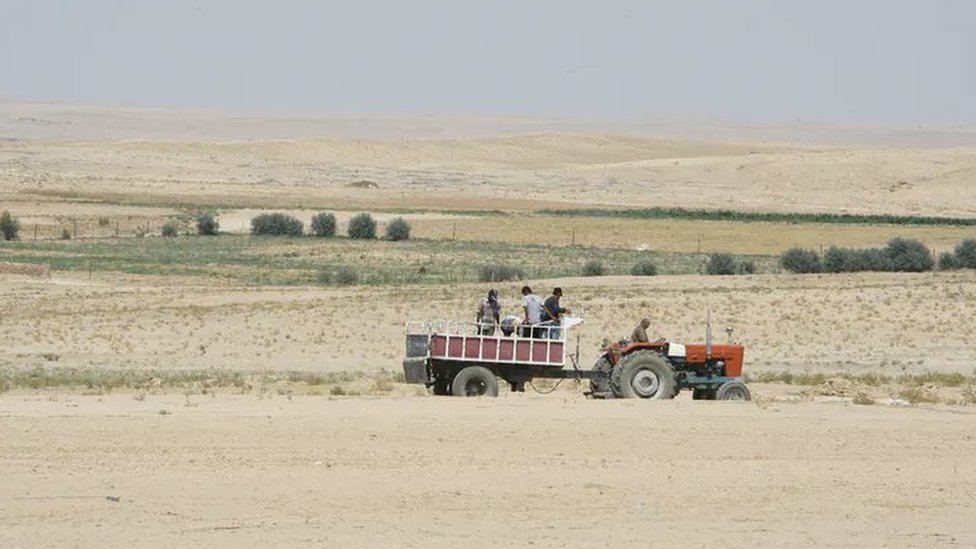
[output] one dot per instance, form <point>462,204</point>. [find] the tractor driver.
<point>639,335</point>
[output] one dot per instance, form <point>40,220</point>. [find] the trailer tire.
<point>733,390</point>
<point>643,374</point>
<point>600,382</point>
<point>475,381</point>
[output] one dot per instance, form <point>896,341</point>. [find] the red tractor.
<point>660,370</point>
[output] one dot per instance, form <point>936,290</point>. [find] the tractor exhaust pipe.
<point>708,335</point>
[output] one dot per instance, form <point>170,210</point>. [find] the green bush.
<point>966,254</point>
<point>798,260</point>
<point>324,224</point>
<point>398,229</point>
<point>277,224</point>
<point>500,272</point>
<point>908,256</point>
<point>720,264</point>
<point>362,227</point>
<point>207,224</point>
<point>644,268</point>
<point>948,262</point>
<point>846,260</point>
<point>170,229</point>
<point>593,268</point>
<point>9,226</point>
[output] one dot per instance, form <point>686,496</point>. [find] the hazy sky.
<point>827,61</point>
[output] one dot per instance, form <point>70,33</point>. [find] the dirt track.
<point>555,471</point>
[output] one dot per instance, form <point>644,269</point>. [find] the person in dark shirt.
<point>551,312</point>
<point>639,335</point>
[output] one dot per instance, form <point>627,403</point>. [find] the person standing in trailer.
<point>489,314</point>
<point>532,307</point>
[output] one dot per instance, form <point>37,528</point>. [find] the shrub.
<point>277,224</point>
<point>207,224</point>
<point>644,268</point>
<point>324,224</point>
<point>908,256</point>
<point>500,272</point>
<point>398,229</point>
<point>720,264</point>
<point>745,267</point>
<point>170,229</point>
<point>9,226</point>
<point>838,260</point>
<point>343,276</point>
<point>798,260</point>
<point>966,254</point>
<point>844,260</point>
<point>948,262</point>
<point>362,227</point>
<point>872,259</point>
<point>65,234</point>
<point>593,268</point>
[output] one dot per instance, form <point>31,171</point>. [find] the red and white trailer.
<point>454,358</point>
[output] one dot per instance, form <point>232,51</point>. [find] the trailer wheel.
<point>600,382</point>
<point>733,390</point>
<point>475,381</point>
<point>643,374</point>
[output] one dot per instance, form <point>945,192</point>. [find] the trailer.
<point>456,358</point>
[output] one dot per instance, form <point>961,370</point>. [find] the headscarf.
<point>492,296</point>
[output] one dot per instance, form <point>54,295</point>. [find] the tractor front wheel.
<point>733,390</point>
<point>475,381</point>
<point>643,374</point>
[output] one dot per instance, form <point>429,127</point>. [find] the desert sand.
<point>517,471</point>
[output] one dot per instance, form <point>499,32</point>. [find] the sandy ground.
<point>883,322</point>
<point>517,471</point>
<point>509,172</point>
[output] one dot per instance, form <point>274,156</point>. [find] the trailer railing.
<point>536,345</point>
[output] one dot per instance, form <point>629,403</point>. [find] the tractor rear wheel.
<point>643,374</point>
<point>475,381</point>
<point>733,390</point>
<point>600,382</point>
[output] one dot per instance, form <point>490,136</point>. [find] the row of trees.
<point>361,226</point>
<point>899,255</point>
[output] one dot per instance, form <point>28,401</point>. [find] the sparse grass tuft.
<point>863,399</point>
<point>919,395</point>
